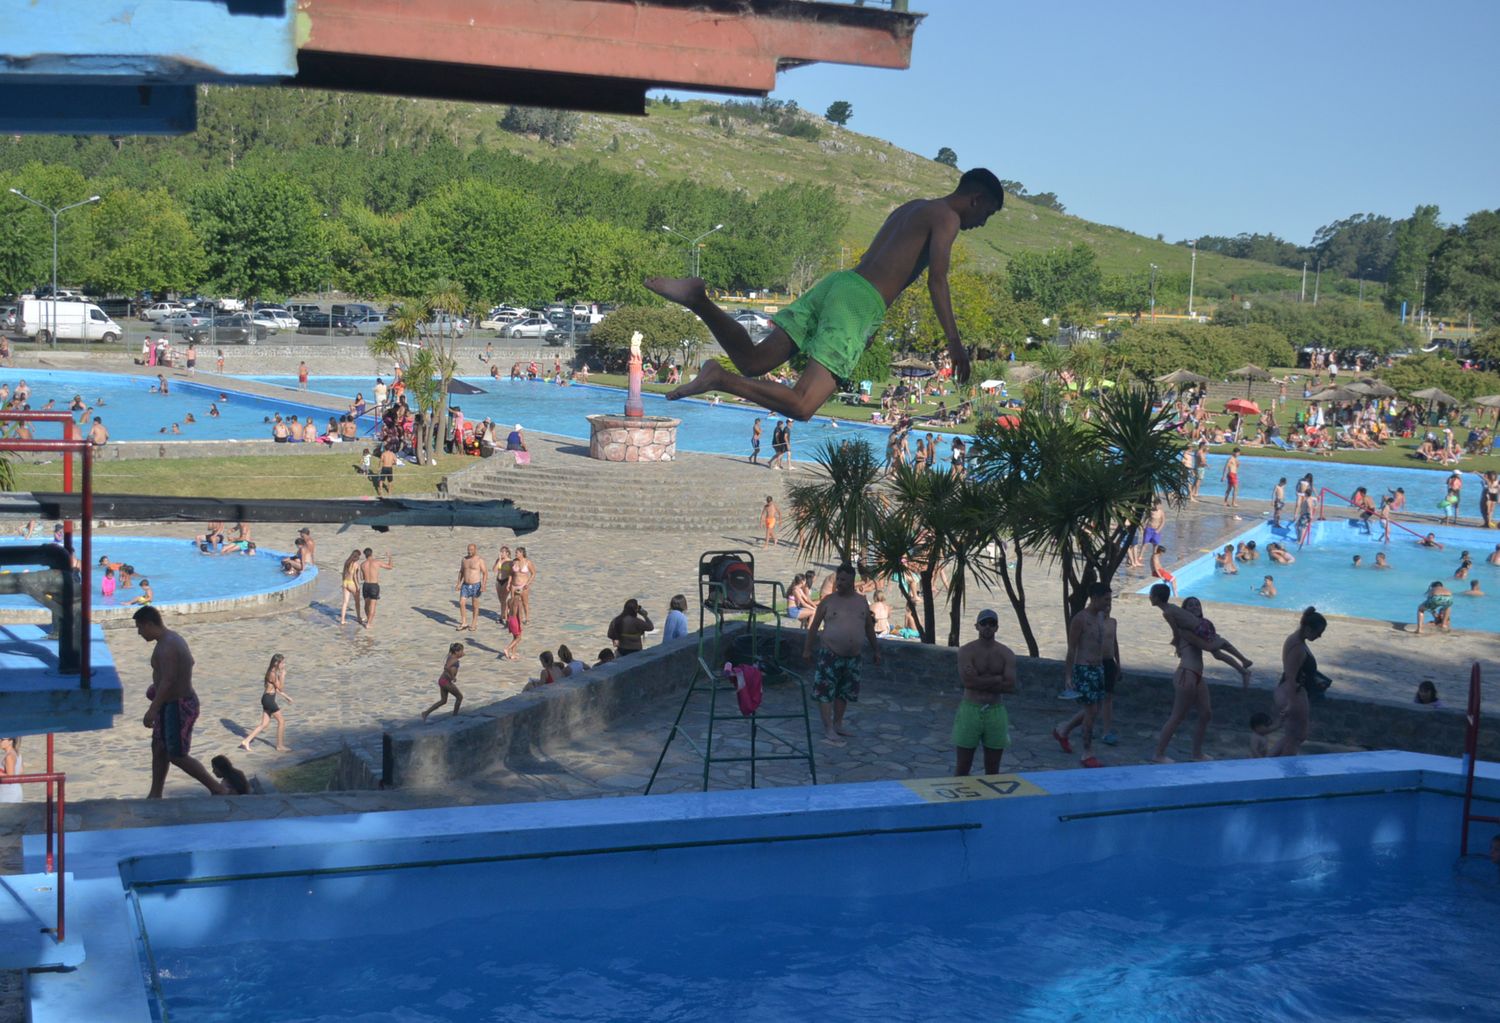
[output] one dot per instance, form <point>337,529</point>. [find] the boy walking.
<point>832,322</point>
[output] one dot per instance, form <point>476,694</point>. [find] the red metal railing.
<point>1471,754</point>
<point>70,445</point>
<point>1350,501</point>
<point>55,817</point>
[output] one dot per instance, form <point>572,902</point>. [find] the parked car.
<point>353,311</point>
<point>502,316</point>
<point>229,329</point>
<point>580,334</point>
<point>532,326</point>
<point>372,324</point>
<point>274,318</point>
<point>444,325</point>
<point>182,321</point>
<point>752,320</point>
<point>298,308</point>
<point>161,310</point>
<point>323,323</point>
<point>8,317</point>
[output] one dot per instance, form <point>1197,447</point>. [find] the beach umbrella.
<point>913,368</point>
<point>1378,389</point>
<point>1435,394</point>
<point>1242,406</point>
<point>1488,401</point>
<point>1251,373</point>
<point>1335,394</point>
<point>1182,376</point>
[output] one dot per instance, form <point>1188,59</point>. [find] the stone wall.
<point>639,439</point>
<point>513,730</point>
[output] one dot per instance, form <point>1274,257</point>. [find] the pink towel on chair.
<point>748,687</point>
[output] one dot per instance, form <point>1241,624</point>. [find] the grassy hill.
<point>869,174</point>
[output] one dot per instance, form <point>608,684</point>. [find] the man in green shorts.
<point>987,669</point>
<point>831,323</point>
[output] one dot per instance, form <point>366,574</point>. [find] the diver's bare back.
<point>902,247</point>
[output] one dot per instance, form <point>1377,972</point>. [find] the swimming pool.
<point>1423,487</point>
<point>1244,890</point>
<point>131,412</point>
<point>561,411</point>
<point>1323,573</point>
<point>179,575</point>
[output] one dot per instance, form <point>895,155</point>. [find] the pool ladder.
<point>722,592</point>
<point>1471,755</point>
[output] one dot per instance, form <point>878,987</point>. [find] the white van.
<point>73,321</point>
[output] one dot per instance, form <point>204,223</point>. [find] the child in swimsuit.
<point>1193,621</point>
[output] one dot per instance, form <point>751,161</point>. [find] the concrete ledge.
<point>116,615</point>
<point>427,755</point>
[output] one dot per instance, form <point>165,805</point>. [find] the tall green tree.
<point>263,234</point>
<point>1416,239</point>
<point>668,333</point>
<point>143,242</point>
<point>1466,270</point>
<point>946,156</point>
<point>496,243</point>
<point>1062,282</point>
<point>839,112</point>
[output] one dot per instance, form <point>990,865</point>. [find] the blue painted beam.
<point>73,109</point>
<point>131,41</point>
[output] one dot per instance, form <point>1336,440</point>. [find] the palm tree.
<point>1052,359</point>
<point>1088,486</point>
<point>428,362</point>
<point>923,522</point>
<point>836,510</point>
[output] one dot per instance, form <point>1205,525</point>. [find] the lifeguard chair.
<point>728,588</point>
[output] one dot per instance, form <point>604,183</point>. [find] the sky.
<point>1203,117</point>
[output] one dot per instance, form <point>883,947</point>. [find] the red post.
<point>62,879</point>
<point>50,772</point>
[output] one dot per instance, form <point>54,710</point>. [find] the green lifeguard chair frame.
<point>756,603</point>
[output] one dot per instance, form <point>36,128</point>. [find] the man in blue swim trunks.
<point>174,705</point>
<point>832,322</point>
<point>473,574</point>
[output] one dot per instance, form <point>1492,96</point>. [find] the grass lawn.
<point>247,476</point>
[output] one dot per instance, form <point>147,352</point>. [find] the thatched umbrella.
<point>913,368</point>
<point>1335,394</point>
<point>1488,401</point>
<point>1251,373</point>
<point>1378,389</point>
<point>1182,376</point>
<point>1435,395</point>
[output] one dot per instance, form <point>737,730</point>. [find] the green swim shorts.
<point>981,722</point>
<point>832,321</point>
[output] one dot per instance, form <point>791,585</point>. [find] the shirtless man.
<point>369,571</point>
<point>387,472</point>
<point>832,322</point>
<point>769,515</point>
<point>174,705</point>
<point>987,670</point>
<point>845,618</point>
<point>1091,643</point>
<point>98,435</point>
<point>473,574</point>
<point>1189,689</point>
<point>309,546</point>
<point>522,575</point>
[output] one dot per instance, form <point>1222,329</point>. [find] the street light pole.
<point>1192,276</point>
<point>1153,292</point>
<point>693,245</point>
<point>55,214</point>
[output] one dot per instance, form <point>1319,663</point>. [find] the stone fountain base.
<point>633,439</point>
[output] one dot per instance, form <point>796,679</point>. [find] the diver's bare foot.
<point>833,740</point>
<point>682,290</point>
<point>1163,759</point>
<point>707,379</point>
<point>246,748</point>
<point>1245,676</point>
<point>283,749</point>
<point>844,729</point>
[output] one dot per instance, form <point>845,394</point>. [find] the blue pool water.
<point>131,412</point>
<point>1323,574</point>
<point>561,411</point>
<point>1325,887</point>
<point>1424,487</point>
<point>1323,938</point>
<point>179,574</point>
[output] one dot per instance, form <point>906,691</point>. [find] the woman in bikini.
<point>1299,670</point>
<point>274,687</point>
<point>351,587</point>
<point>447,682</point>
<point>523,574</point>
<point>502,575</point>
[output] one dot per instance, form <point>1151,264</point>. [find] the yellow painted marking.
<point>984,786</point>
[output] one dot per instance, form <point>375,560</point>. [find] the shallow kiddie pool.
<point>1305,888</point>
<point>1324,574</point>
<point>181,577</point>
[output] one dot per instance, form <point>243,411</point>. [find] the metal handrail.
<point>1471,754</point>
<point>54,825</point>
<point>1350,501</point>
